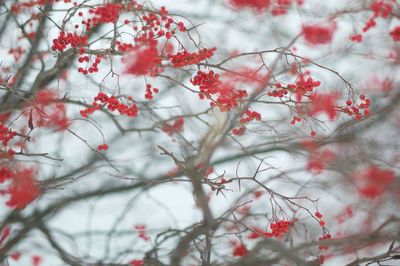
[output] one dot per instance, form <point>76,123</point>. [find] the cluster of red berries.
<point>227,96</point>
<point>395,33</point>
<point>112,104</point>
<point>155,25</point>
<point>324,103</point>
<point>48,111</point>
<point>124,47</point>
<point>373,181</point>
<point>173,128</point>
<point>326,236</point>
<point>142,61</point>
<point>278,92</point>
<point>208,83</point>
<point>6,134</point>
<point>185,58</point>
<point>319,217</point>
<point>102,147</point>
<point>136,263</point>
<point>354,109</point>
<point>5,173</point>
<point>161,26</point>
<point>356,38</point>
<point>380,8</point>
<point>303,86</point>
<point>250,116</point>
<point>278,7</point>
<point>92,68</point>
<point>317,34</point>
<point>18,7</point>
<point>150,91</point>
<point>168,21</point>
<point>279,228</point>
<point>239,250</point>
<point>294,120</point>
<point>258,5</point>
<point>108,13</point>
<point>146,39</point>
<point>239,131</point>
<point>72,39</point>
<point>23,189</point>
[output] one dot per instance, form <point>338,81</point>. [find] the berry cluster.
<point>354,109</point>
<point>325,236</point>
<point>144,57</point>
<point>173,128</point>
<point>5,173</point>
<point>48,111</point>
<point>23,188</point>
<point>150,91</point>
<point>72,39</point>
<point>324,103</point>
<point>319,217</point>
<point>142,61</point>
<point>112,104</point>
<point>108,13</point>
<point>279,228</point>
<point>239,250</point>
<point>250,116</point>
<point>208,83</point>
<point>136,263</point>
<point>102,147</point>
<point>318,34</point>
<point>6,134</point>
<point>239,131</point>
<point>395,33</point>
<point>380,8</point>
<point>258,5</point>
<point>278,92</point>
<point>159,25</point>
<point>124,47</point>
<point>303,87</point>
<point>294,120</point>
<point>19,7</point>
<point>185,58</point>
<point>373,181</point>
<point>356,38</point>
<point>277,7</point>
<point>280,7</point>
<point>227,96</point>
<point>92,68</point>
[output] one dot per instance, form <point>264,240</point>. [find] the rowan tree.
<point>231,132</point>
